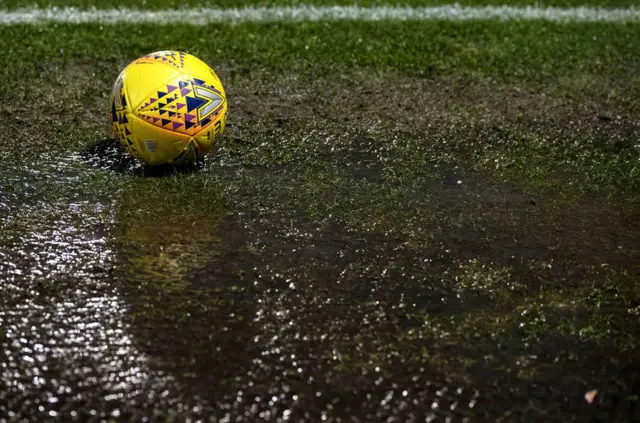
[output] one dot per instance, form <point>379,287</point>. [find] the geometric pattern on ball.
<point>168,107</point>
<point>186,105</point>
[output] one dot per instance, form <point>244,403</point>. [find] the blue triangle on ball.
<point>194,103</point>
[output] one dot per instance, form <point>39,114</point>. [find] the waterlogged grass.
<point>168,226</point>
<point>275,273</point>
<point>587,169</point>
<point>518,320</point>
<point>542,309</point>
<point>533,159</point>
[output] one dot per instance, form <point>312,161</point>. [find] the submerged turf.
<point>427,223</point>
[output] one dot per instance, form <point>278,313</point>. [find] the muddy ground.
<point>370,247</point>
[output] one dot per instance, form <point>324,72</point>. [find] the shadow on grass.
<point>108,154</point>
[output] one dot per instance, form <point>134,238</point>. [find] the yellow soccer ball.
<point>168,107</point>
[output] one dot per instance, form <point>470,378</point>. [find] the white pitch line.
<point>203,16</point>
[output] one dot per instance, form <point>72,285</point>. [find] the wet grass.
<point>163,4</point>
<point>518,51</point>
<point>369,243</point>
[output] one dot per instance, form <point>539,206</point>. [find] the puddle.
<point>66,340</point>
<point>313,270</point>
